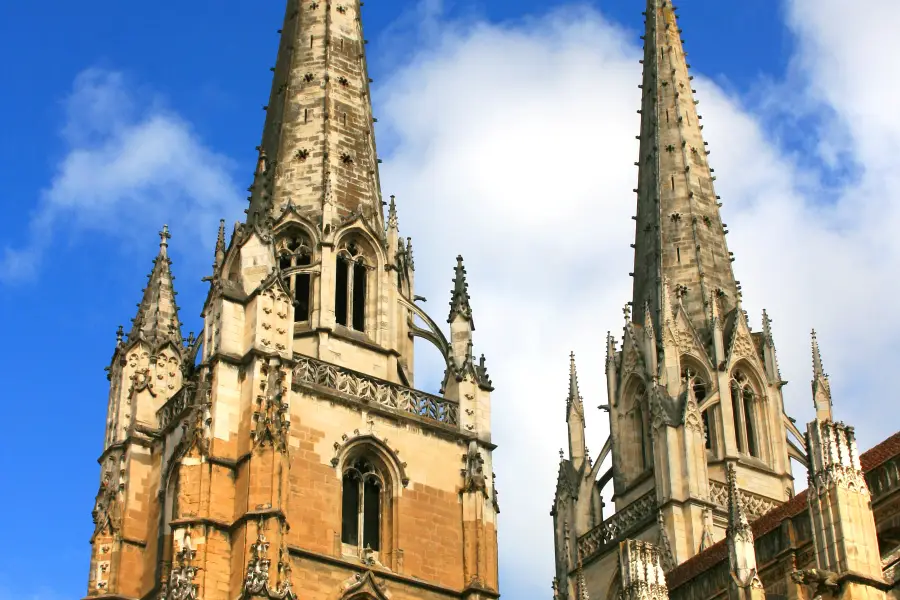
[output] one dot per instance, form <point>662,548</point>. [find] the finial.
<point>220,247</point>
<point>821,388</point>
<point>818,371</point>
<point>562,454</point>
<point>767,328</point>
<point>164,237</point>
<point>737,518</point>
<point>409,254</point>
<point>392,213</point>
<point>120,335</point>
<point>459,295</point>
<point>574,394</point>
<point>627,312</point>
<point>610,347</point>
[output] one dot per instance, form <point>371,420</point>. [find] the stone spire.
<point>821,389</point>
<point>575,418</point>
<point>157,315</point>
<point>741,551</point>
<point>220,248</point>
<point>679,234</point>
<point>318,142</point>
<point>459,296</point>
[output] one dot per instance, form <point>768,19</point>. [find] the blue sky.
<point>199,72</point>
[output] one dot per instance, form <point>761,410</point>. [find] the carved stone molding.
<point>617,526</point>
<point>367,389</point>
<point>755,506</point>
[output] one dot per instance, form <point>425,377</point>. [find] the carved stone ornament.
<point>822,583</point>
<point>271,412</point>
<point>474,471</point>
<point>616,527</point>
<point>256,579</point>
<point>363,585</point>
<point>180,585</point>
<point>366,389</point>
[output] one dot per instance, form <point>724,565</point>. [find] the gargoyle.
<point>823,583</point>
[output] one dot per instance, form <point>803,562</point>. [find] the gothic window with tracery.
<point>363,487</point>
<point>744,405</point>
<point>639,429</point>
<point>294,253</point>
<point>694,380</point>
<point>350,287</point>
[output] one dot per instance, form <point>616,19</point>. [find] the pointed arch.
<point>750,410</point>
<point>695,376</point>
<point>358,259</point>
<point>295,255</point>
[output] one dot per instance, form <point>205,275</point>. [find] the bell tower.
<point>693,393</point>
<point>286,452</point>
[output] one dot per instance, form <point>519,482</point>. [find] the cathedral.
<point>285,453</point>
<point>700,445</point>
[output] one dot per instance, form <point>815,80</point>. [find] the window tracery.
<point>744,406</point>
<point>694,380</point>
<point>295,252</point>
<point>362,506</point>
<point>351,283</point>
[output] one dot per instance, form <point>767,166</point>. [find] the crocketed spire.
<point>157,316</point>
<point>821,388</point>
<point>459,296</point>
<point>679,237</point>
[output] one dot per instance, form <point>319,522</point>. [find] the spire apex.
<point>220,247</point>
<point>392,213</point>
<point>675,196</point>
<point>157,316</point>
<point>821,387</point>
<point>319,129</point>
<point>164,237</point>
<point>459,296</point>
<point>574,392</point>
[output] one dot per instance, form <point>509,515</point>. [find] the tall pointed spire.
<point>574,398</point>
<point>157,316</point>
<point>319,132</point>
<point>459,296</point>
<point>741,550</point>
<point>679,234</point>
<point>575,418</point>
<point>821,388</point>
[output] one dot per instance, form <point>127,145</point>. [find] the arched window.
<point>350,287</point>
<point>744,405</point>
<point>294,252</point>
<point>639,430</point>
<point>694,380</point>
<point>361,508</point>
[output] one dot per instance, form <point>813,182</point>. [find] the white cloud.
<point>129,165</point>
<point>515,147</point>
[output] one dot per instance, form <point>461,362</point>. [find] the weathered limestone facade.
<point>285,452</point>
<point>700,443</point>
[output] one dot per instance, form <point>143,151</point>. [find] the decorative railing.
<point>368,389</point>
<point>755,506</point>
<point>175,406</point>
<point>617,526</point>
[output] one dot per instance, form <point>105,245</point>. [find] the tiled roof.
<point>771,520</point>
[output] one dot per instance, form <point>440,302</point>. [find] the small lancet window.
<point>294,253</point>
<point>744,406</point>
<point>361,506</point>
<point>639,431</point>
<point>695,382</point>
<point>351,283</point>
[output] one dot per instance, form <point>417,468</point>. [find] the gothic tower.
<point>693,392</point>
<point>285,452</point>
